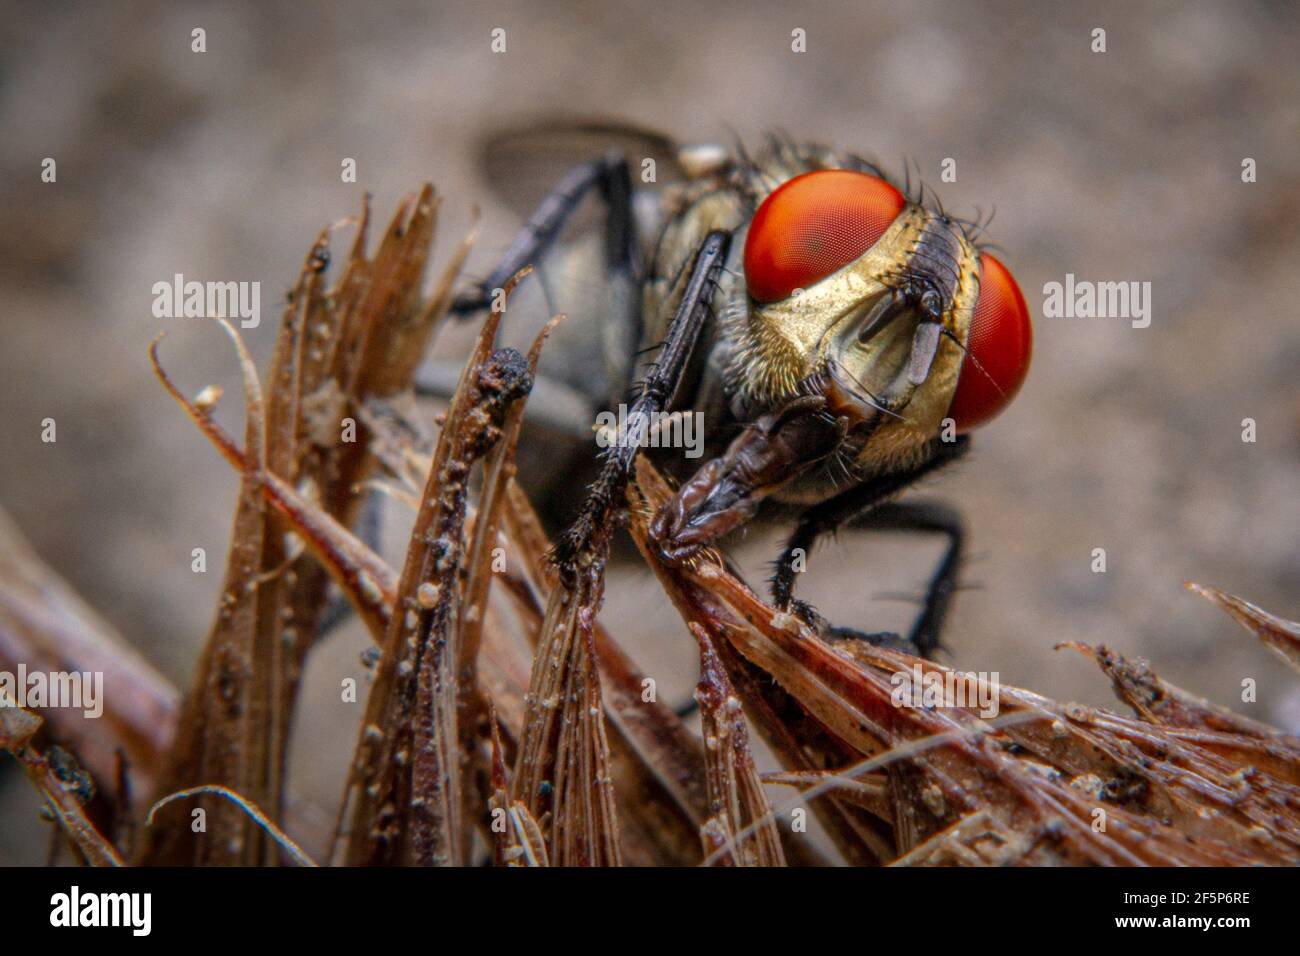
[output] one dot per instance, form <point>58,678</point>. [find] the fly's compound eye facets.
<point>813,225</point>
<point>998,349</point>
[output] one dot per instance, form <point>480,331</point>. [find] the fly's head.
<point>881,305</point>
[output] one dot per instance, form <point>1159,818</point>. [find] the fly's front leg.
<point>866,507</point>
<point>655,396</point>
<point>611,175</point>
<point>726,492</point>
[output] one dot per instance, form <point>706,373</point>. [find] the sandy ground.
<point>1113,167</point>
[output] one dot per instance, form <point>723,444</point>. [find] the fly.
<point>840,338</point>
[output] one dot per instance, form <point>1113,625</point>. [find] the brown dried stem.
<point>62,783</point>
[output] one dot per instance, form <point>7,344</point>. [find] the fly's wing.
<point>522,164</point>
<point>584,367</point>
<point>591,350</point>
<point>592,353</point>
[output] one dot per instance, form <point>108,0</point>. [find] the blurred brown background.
<point>1117,166</point>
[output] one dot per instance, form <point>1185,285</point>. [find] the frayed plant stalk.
<point>226,725</point>
<point>254,812</point>
<point>736,796</point>
<point>47,626</point>
<point>1056,783</point>
<point>409,765</point>
<point>800,742</point>
<point>1281,636</point>
<point>517,838</point>
<point>654,752</point>
<point>657,762</point>
<point>65,787</point>
<point>336,348</point>
<point>563,768</point>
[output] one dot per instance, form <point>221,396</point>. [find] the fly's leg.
<point>726,492</point>
<point>866,507</point>
<point>925,517</point>
<point>853,505</point>
<point>656,395</point>
<point>612,177</point>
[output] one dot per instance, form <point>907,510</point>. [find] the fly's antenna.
<point>932,261</point>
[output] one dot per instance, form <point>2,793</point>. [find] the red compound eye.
<point>813,225</point>
<point>997,349</point>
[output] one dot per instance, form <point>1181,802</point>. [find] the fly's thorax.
<point>693,214</point>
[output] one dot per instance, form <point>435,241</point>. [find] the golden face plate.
<point>814,333</point>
